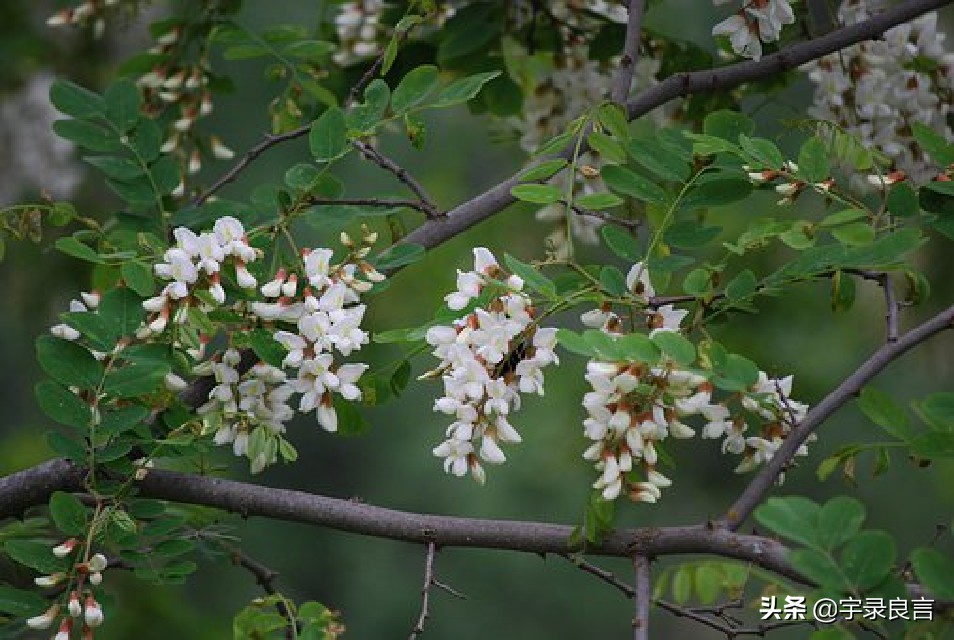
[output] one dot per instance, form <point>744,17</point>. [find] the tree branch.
<point>623,81</point>
<point>728,77</point>
<point>249,500</point>
<point>426,204</point>
<point>369,202</point>
<point>759,487</point>
<point>606,576</point>
<point>498,197</point>
<point>425,591</point>
<point>642,599</point>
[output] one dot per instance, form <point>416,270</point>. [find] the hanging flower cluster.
<point>193,268</point>
<point>86,14</point>
<point>488,358</point>
<point>756,22</point>
<point>634,406</point>
<point>878,89</point>
<point>322,307</point>
<point>359,28</point>
<point>82,609</point>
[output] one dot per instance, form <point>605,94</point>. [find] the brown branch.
<point>265,577</point>
<point>369,202</point>
<point>426,204</point>
<point>642,599</point>
<point>623,81</point>
<point>759,487</point>
<point>498,197</point>
<point>267,142</point>
<point>891,308</point>
<point>425,591</point>
<point>606,576</point>
<point>631,225</point>
<point>731,76</point>
<point>706,616</point>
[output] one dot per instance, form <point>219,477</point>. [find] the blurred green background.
<point>376,583</point>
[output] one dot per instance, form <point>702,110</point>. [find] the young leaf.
<point>868,558</point>
<point>328,138</point>
<point>537,193</point>
<point>414,88</point>
<point>675,346</point>
<point>531,277</point>
<point>632,184</point>
<point>794,517</point>
<point>460,91</point>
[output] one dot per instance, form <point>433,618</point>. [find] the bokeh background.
<point>376,583</point>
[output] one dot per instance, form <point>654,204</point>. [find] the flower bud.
<point>93,614</point>
<point>44,620</point>
<point>65,548</point>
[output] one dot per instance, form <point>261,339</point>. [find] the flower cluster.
<point>634,406</point>
<point>878,89</point>
<point>488,358</point>
<point>86,302</point>
<point>86,14</point>
<point>358,27</point>
<point>756,22</point>
<point>178,85</point>
<point>193,268</point>
<point>82,607</point>
<point>323,307</point>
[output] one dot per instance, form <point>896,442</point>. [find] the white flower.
<point>638,282</point>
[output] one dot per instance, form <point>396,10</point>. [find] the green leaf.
<point>138,277</point>
<point>136,379</point>
<point>414,88</point>
<point>460,91</point>
<point>350,421</point>
<point>682,583</point>
<point>813,160</point>
<point>597,201</point>
<point>935,571</point>
<point>882,409</point>
<point>613,281</point>
<point>68,363</point>
<point>68,513</point>
<point>608,148</point>
<point>469,30</point>
<point>36,555</point>
<point>675,346</point>
<point>328,138</point>
<point>311,50</point>
<point>543,170</point>
<point>728,125</point>
<point>146,139</point>
<point>59,404</point>
<point>67,447</point>
<point>87,135</point>
<point>709,581</point>
<point>637,347</point>
<point>531,276</point>
<point>75,101</point>
<point>934,143</point>
<point>663,163</point>
<point>620,242</point>
<point>715,191</point>
<point>122,104</point>
<point>121,420</point>
<point>574,342</point>
<point>842,217</point>
<point>854,233</point>
<point>903,201</point>
<point>935,444</point>
<point>537,193</point>
<point>937,410</point>
<point>613,118</point>
<point>839,520</point>
<point>868,558</point>
<point>266,347</point>
<point>818,567</point>
<point>690,234</point>
<point>366,116</point>
<point>762,153</point>
<point>137,191</point>
<point>794,517</point>
<point>632,184</point>
<point>116,167</point>
<point>20,603</point>
<point>741,286</point>
<point>399,255</point>
<point>121,310</point>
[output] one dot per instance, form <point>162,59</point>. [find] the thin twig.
<point>266,143</point>
<point>891,308</point>
<point>386,203</point>
<point>642,599</point>
<point>704,616</point>
<point>606,576</point>
<point>623,81</point>
<point>425,591</point>
<point>762,483</point>
<point>443,586</point>
<point>265,577</point>
<point>631,225</point>
<point>402,174</point>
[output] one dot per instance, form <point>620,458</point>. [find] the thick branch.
<point>728,77</point>
<point>642,599</point>
<point>756,491</point>
<point>498,197</point>
<point>445,531</point>
<point>627,64</point>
